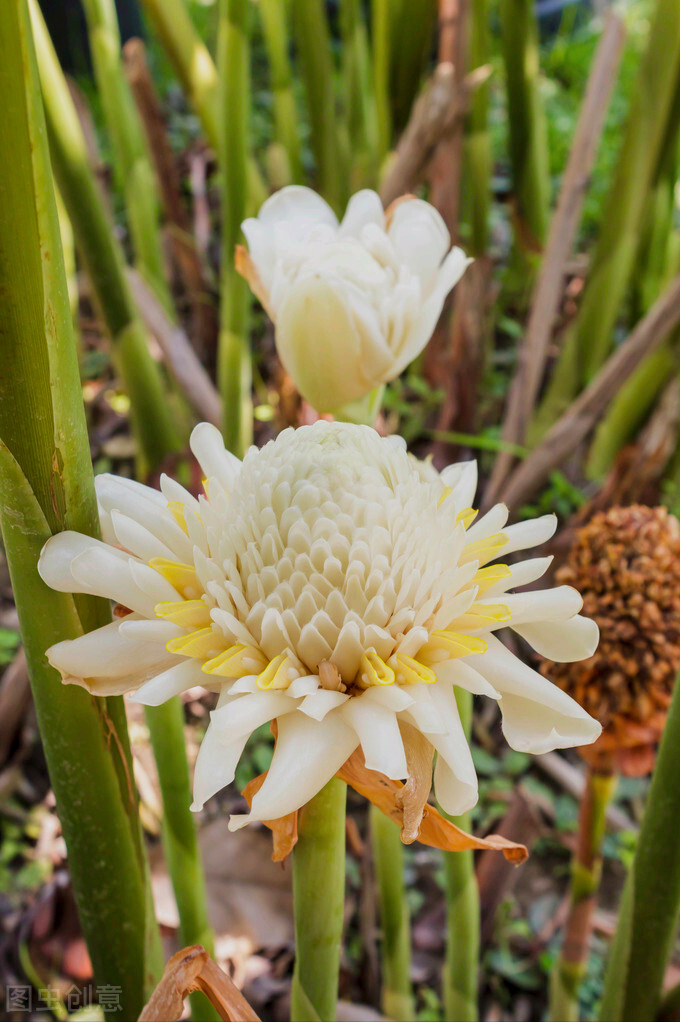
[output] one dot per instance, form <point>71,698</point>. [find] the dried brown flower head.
<point>626,564</point>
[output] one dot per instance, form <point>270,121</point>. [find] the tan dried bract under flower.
<point>626,564</point>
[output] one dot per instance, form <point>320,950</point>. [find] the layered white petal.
<point>455,778</point>
<point>562,641</point>
<point>378,732</point>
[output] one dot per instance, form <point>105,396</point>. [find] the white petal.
<point>488,525</point>
<point>143,505</point>
<point>462,674</point>
<point>423,711</point>
<point>244,714</point>
<point>294,204</point>
<point>533,532</point>
<point>363,208</point>
<point>321,702</point>
<point>521,574</point>
<point>420,237</point>
<point>462,478</point>
<point>106,652</point>
<point>208,448</point>
<point>304,686</point>
<point>139,541</point>
<point>562,641</point>
<point>537,715</point>
<point>455,779</point>
<point>379,734</point>
<point>215,764</point>
<point>56,557</point>
<point>179,678</point>
<point>558,604</point>
<point>392,697</point>
<point>306,756</point>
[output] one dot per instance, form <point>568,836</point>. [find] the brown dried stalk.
<point>193,969</point>
<point>580,418</point>
<point>549,286</point>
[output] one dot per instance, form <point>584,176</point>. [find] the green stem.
<point>460,979</point>
<point>131,161</point>
<point>395,923</point>
<point>361,114</point>
<point>586,867</point>
<point>151,415</point>
<point>477,142</point>
<point>319,898</point>
<point>234,366</point>
<point>46,485</point>
<point>412,25</point>
<point>182,855</point>
<point>275,27</point>
<point>197,74</point>
<point>314,47</point>
<point>528,132</point>
<point>648,917</point>
<point>380,37</point>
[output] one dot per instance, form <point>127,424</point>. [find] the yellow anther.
<point>182,577</point>
<point>488,577</point>
<point>186,613</point>
<point>484,549</point>
<point>447,493</point>
<point>203,643</point>
<point>452,644</point>
<point>236,662</point>
<point>466,516</point>
<point>482,615</point>
<point>176,509</point>
<point>204,484</point>
<point>411,672</point>
<point>374,671</point>
<point>277,674</point>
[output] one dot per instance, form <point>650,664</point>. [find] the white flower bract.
<point>353,302</point>
<point>332,583</point>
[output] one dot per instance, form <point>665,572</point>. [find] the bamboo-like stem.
<point>528,133</point>
<point>131,161</point>
<point>166,729</point>
<point>46,485</point>
<point>314,48</point>
<point>68,246</point>
<point>586,866</point>
<point>275,29</point>
<point>648,913</point>
<point>234,367</point>
<point>477,142</point>
<point>412,24</point>
<point>460,979</point>
<point>361,113</point>
<point>319,897</point>
<point>395,922</point>
<point>380,59</point>
<point>151,416</point>
<point>198,77</point>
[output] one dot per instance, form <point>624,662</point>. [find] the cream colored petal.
<point>321,702</point>
<point>420,237</point>
<point>562,641</point>
<point>462,479</point>
<point>363,208</point>
<point>533,532</point>
<point>521,574</point>
<point>463,674</point>
<point>558,604</point>
<point>138,540</point>
<point>306,756</point>
<point>423,712</point>
<point>169,683</point>
<point>379,735</point>
<point>244,714</point>
<point>208,448</point>
<point>215,764</point>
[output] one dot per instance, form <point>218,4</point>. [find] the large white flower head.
<point>353,302</point>
<point>332,583</point>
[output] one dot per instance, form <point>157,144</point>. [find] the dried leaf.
<point>284,831</point>
<point>413,796</point>
<point>434,829</point>
<point>193,969</point>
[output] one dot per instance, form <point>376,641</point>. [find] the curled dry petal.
<point>189,970</point>
<point>413,797</point>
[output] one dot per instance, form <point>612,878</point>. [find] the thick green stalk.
<point>586,867</point>
<point>395,923</point>
<point>630,408</point>
<point>412,25</point>
<point>477,142</point>
<point>131,161</point>
<point>198,77</point>
<point>234,366</point>
<point>460,979</point>
<point>275,28</point>
<point>151,416</point>
<point>46,485</point>
<point>528,132</point>
<point>319,899</point>
<point>361,114</point>
<point>648,916</point>
<point>380,54</point>
<point>316,58</point>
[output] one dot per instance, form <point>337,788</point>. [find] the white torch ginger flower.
<point>336,585</point>
<point>353,303</point>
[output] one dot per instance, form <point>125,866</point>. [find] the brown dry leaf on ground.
<point>193,969</point>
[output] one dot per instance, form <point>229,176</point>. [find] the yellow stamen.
<point>182,577</point>
<point>447,492</point>
<point>204,484</point>
<point>488,577</point>
<point>186,613</point>
<point>410,672</point>
<point>203,643</point>
<point>466,516</point>
<point>484,549</point>
<point>482,615</point>
<point>453,644</point>
<point>236,662</point>
<point>277,674</point>
<point>176,509</point>
<point>374,671</point>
